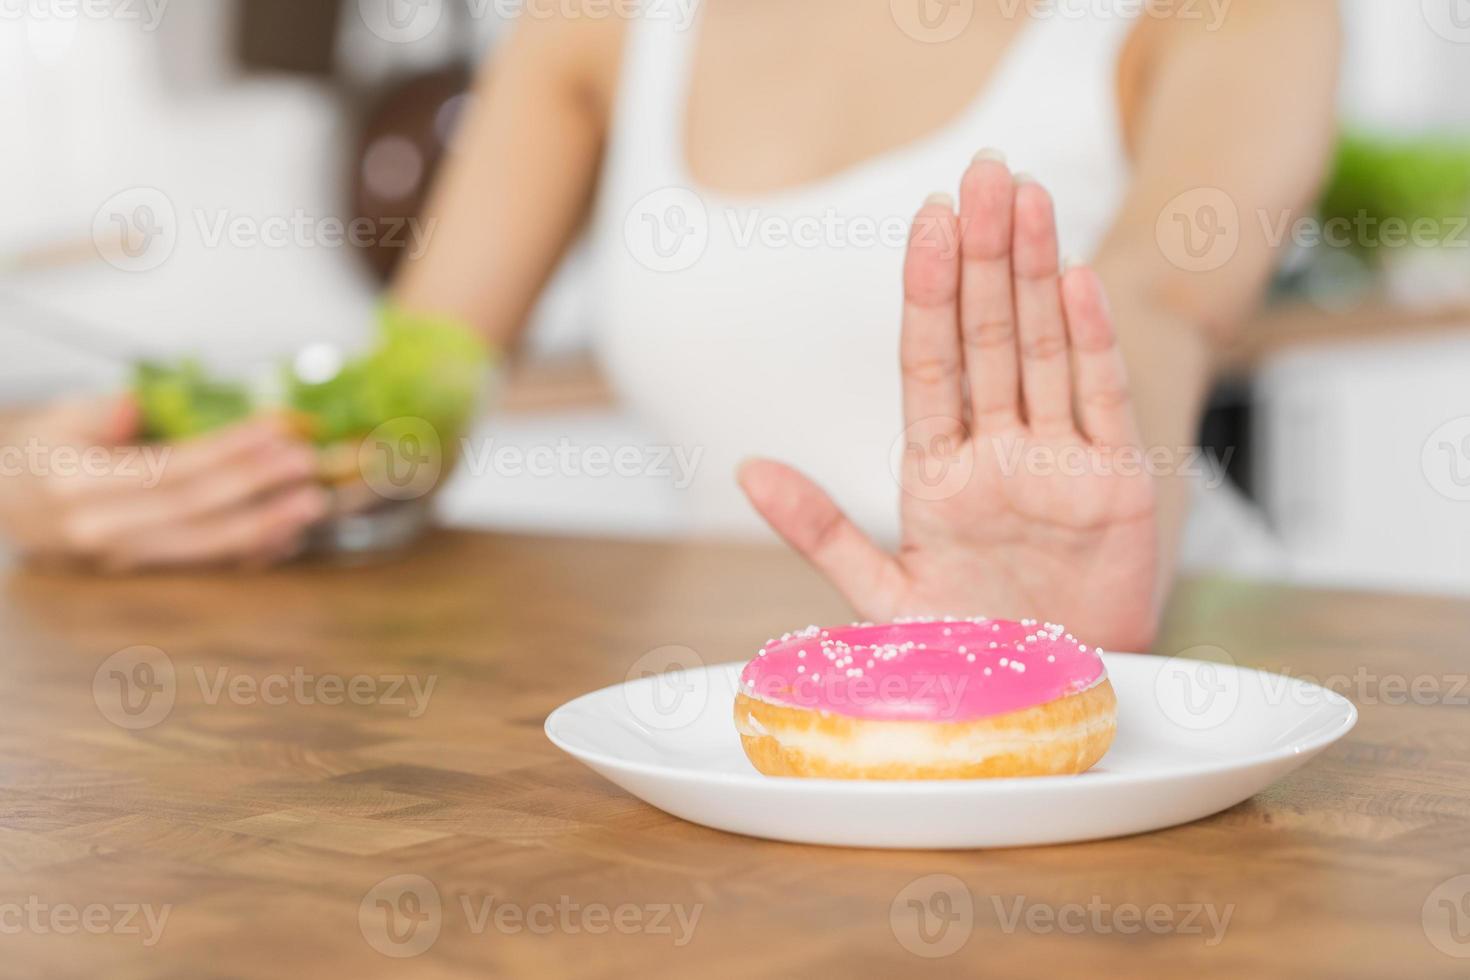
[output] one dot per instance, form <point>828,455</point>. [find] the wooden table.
<point>268,830</point>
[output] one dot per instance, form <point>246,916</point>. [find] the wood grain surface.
<point>284,835</point>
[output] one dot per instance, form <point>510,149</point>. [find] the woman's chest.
<point>784,94</point>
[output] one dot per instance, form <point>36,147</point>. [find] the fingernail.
<point>1024,178</point>
<point>989,155</point>
<point>940,198</point>
<point>1069,263</point>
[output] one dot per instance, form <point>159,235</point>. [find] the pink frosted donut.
<point>926,699</point>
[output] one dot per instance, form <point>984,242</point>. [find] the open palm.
<point>1025,493</point>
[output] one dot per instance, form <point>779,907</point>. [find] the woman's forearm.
<point>516,186</point>
<point>1190,254</point>
<point>1169,373</point>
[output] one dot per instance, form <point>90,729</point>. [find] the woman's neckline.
<point>883,160</point>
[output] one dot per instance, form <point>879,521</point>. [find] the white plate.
<point>1194,738</point>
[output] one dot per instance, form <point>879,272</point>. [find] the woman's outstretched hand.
<point>1025,493</point>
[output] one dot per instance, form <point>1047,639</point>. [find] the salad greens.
<point>1426,178</point>
<point>181,401</point>
<point>422,367</point>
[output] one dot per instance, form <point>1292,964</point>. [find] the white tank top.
<point>768,325</point>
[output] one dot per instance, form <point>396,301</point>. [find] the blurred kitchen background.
<point>1346,410</point>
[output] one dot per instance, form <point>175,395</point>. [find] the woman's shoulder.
<point>1169,24</point>
<point>1250,29</point>
<point>580,42</point>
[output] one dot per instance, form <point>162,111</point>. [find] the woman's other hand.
<point>74,485</point>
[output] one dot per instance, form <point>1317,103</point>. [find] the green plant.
<point>1425,179</point>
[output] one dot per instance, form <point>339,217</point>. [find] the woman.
<point>699,148</point>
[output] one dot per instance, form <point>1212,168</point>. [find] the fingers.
<point>987,305</point>
<point>1104,407</point>
<point>169,466</point>
<point>929,349</point>
<point>798,510</point>
<point>258,532</point>
<point>241,478</point>
<point>190,502</point>
<point>204,454</point>
<point>1046,383</point>
<point>124,421</point>
<point>106,420</point>
<point>233,483</point>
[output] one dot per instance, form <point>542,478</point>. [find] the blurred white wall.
<point>1402,74</point>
